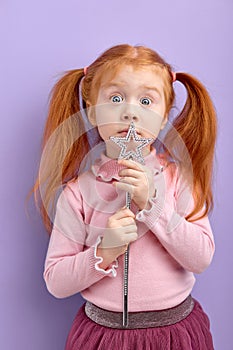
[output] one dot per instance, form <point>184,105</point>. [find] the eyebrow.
<point>119,84</point>
<point>153,88</point>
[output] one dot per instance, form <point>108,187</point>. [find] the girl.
<point>167,226</point>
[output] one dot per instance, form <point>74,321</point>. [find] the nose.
<point>129,114</point>
<point>130,118</point>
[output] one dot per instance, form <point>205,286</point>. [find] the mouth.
<point>124,132</point>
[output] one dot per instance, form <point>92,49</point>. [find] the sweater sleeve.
<point>190,243</point>
<point>70,266</point>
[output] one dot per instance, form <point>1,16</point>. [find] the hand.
<point>121,230</point>
<point>138,180</point>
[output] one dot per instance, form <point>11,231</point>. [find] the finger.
<point>121,223</point>
<point>131,173</point>
<point>130,181</point>
<point>130,237</point>
<point>131,164</point>
<point>124,187</point>
<point>123,213</point>
<point>128,224</point>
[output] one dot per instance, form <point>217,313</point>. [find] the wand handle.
<point>125,296</point>
<point>126,273</point>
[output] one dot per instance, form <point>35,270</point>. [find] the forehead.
<point>130,75</point>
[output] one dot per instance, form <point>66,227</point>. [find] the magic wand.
<point>131,148</point>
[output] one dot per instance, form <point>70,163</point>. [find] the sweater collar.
<point>107,169</point>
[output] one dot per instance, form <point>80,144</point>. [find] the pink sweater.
<point>163,260</point>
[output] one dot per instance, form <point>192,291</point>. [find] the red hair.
<point>196,124</point>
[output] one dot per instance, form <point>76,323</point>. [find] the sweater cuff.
<point>160,212</point>
<point>111,271</point>
<point>151,216</point>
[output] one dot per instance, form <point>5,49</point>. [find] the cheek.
<point>106,121</point>
<point>155,128</point>
<point>152,124</point>
<point>104,114</point>
<point>104,131</point>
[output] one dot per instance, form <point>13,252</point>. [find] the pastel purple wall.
<point>40,40</point>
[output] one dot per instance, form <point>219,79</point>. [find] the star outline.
<point>123,141</point>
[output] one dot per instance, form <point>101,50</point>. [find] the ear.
<point>91,113</point>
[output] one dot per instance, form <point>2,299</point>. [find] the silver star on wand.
<point>131,145</point>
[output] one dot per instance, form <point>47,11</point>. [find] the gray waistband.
<point>146,319</point>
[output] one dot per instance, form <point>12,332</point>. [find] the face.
<point>132,95</point>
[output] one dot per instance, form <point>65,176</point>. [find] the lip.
<point>125,131</point>
<point>122,133</point>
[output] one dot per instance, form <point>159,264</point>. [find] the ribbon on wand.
<point>130,148</point>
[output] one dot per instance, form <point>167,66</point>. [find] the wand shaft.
<point>125,296</point>
<point>126,273</point>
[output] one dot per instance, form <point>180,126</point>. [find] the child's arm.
<point>69,269</point>
<point>164,201</point>
<point>70,265</point>
<point>189,243</point>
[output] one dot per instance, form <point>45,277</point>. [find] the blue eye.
<point>116,99</point>
<point>145,101</point>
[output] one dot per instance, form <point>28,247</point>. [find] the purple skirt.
<point>192,333</point>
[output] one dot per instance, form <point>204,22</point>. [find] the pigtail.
<point>64,145</point>
<point>197,127</point>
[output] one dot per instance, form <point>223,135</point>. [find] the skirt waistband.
<point>147,319</point>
